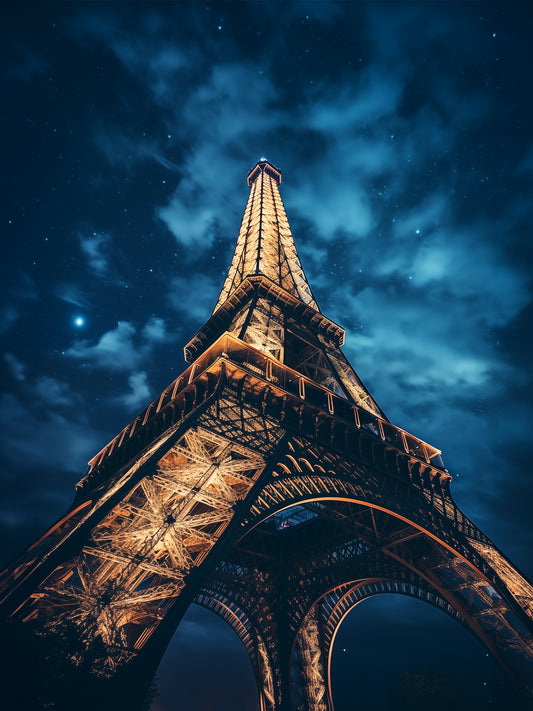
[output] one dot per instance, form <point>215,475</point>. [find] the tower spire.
<point>265,245</point>
<point>267,302</point>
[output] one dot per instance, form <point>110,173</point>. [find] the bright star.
<point>79,321</point>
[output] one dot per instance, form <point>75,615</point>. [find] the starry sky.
<point>402,130</point>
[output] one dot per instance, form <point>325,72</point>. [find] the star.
<point>79,321</point>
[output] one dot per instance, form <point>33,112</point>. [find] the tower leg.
<point>312,666</point>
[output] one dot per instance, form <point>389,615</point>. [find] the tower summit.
<point>265,244</point>
<point>266,484</point>
<point>267,302</point>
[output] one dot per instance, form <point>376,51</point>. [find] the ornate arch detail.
<point>316,636</point>
<point>448,564</point>
<point>226,605</point>
<point>291,485</point>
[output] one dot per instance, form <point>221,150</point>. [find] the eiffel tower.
<point>266,484</point>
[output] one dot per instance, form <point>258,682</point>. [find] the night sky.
<point>403,133</point>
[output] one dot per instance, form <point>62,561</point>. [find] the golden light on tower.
<point>266,484</point>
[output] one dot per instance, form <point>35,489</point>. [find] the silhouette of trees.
<point>51,670</point>
<point>422,689</point>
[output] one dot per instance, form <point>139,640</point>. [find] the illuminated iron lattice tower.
<point>266,484</point>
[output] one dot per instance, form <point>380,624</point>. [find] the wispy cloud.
<point>194,226</point>
<point>17,368</point>
<point>194,296</point>
<point>139,393</point>
<point>23,286</point>
<point>95,247</point>
<point>8,316</point>
<point>18,287</point>
<point>123,348</point>
<point>115,349</point>
<point>234,108</point>
<point>53,447</point>
<point>55,393</point>
<point>155,331</point>
<point>373,96</point>
<point>25,64</point>
<point>47,439</point>
<point>72,294</point>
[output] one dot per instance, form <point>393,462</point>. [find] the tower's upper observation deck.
<point>263,166</point>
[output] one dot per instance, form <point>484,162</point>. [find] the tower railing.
<point>232,349</point>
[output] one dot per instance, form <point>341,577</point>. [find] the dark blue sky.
<point>403,134</point>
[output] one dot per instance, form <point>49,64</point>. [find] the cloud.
<point>120,146</point>
<point>72,294</point>
<point>54,393</point>
<point>139,394</point>
<point>16,367</point>
<point>165,162</point>
<point>403,344</point>
<point>155,330</point>
<point>215,110</point>
<point>45,388</point>
<point>27,64</point>
<point>435,309</point>
<point>457,267</point>
<point>24,287</point>
<point>43,454</point>
<point>96,247</point>
<point>114,350</point>
<point>122,348</point>
<point>18,287</point>
<point>149,55</point>
<point>372,97</point>
<point>345,211</point>
<point>161,65</point>
<point>234,109</point>
<point>218,113</point>
<point>234,101</point>
<point>45,439</point>
<point>8,316</point>
<point>477,273</point>
<point>422,218</point>
<point>230,105</point>
<point>194,295</point>
<point>193,225</point>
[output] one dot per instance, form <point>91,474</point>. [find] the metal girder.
<point>310,663</point>
<point>138,556</point>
